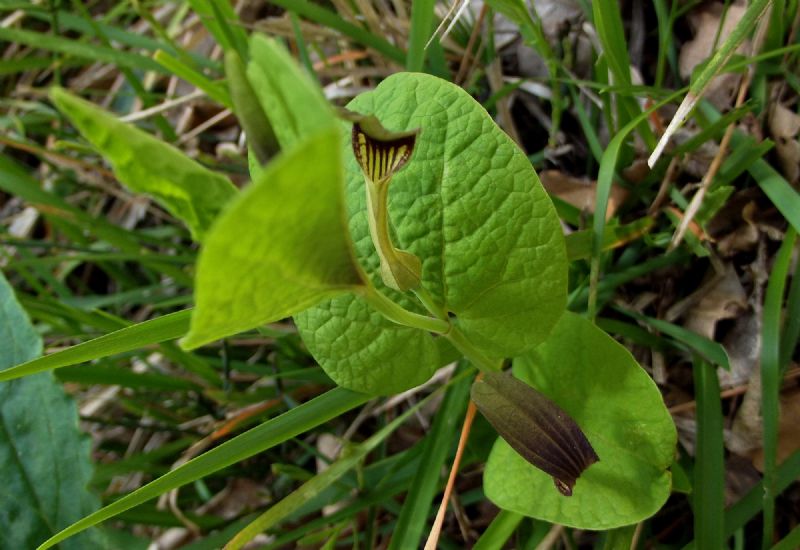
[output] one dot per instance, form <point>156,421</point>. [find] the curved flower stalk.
<point>381,154</point>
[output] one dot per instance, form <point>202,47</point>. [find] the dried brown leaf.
<point>579,192</point>
<point>705,21</point>
<point>724,298</point>
<point>788,430</point>
<point>784,125</point>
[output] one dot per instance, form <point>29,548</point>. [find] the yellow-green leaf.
<point>279,248</point>
<point>189,191</point>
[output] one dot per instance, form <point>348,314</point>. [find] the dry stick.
<point>697,200</point>
<point>475,61</point>
<point>436,530</point>
<point>669,177</point>
<point>738,390</point>
<point>494,74</point>
<point>449,13</point>
<point>637,534</point>
<point>161,107</point>
<point>200,128</point>
<point>476,31</point>
<point>551,538</point>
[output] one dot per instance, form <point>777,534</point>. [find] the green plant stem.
<point>399,269</point>
<point>378,217</point>
<point>398,314</point>
<point>430,303</point>
<point>468,350</point>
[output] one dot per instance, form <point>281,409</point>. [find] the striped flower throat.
<point>381,154</point>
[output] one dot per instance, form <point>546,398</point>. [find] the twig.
<point>732,392</point>
<point>697,200</point>
<point>200,128</point>
<point>476,31</point>
<point>160,108</point>
<point>551,538</point>
<point>436,530</point>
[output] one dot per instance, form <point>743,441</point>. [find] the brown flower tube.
<point>538,429</point>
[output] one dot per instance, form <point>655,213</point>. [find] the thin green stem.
<point>468,350</point>
<point>378,218</point>
<point>430,303</point>
<point>399,269</point>
<point>398,314</point>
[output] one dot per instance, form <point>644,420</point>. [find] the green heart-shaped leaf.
<point>618,407</point>
<point>470,206</point>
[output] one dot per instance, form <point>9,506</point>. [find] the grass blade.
<point>421,27</point>
<point>215,91</point>
<point>499,531</point>
<point>790,541</point>
<point>608,22</point>
<point>222,22</point>
<point>417,505</point>
<point>272,432</point>
<point>709,471</point>
<point>318,483</point>
<point>327,18</point>
<point>716,64</point>
<point>605,178</point>
<point>749,505</point>
<point>168,327</point>
<point>16,181</point>
<point>710,350</point>
<point>791,327</point>
<point>771,377</point>
<point>73,48</point>
<point>774,185</point>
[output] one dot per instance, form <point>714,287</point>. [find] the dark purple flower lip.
<point>535,427</point>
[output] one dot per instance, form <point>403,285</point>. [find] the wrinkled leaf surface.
<point>470,206</point>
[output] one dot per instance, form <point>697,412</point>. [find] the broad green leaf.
<point>45,456</point>
<point>189,191</point>
<point>360,349</point>
<point>619,408</point>
<point>293,104</point>
<point>280,247</point>
<point>470,206</point>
